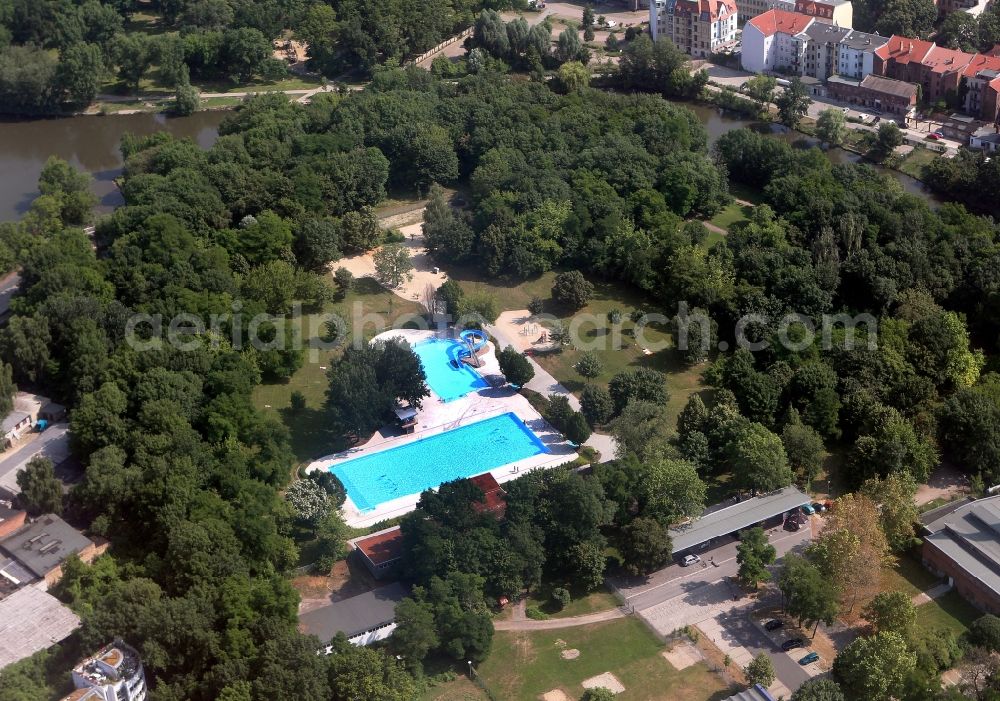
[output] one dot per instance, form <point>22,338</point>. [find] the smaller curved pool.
<point>448,377</point>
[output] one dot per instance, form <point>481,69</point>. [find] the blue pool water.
<point>447,381</point>
<point>464,452</point>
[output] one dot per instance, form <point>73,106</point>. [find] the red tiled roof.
<point>382,547</point>
<point>941,60</point>
<point>493,501</point>
<point>775,21</point>
<point>982,62</point>
<point>904,49</point>
<point>711,8</point>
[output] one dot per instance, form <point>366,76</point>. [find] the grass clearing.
<point>913,164</point>
<point>461,689</point>
<point>950,611</point>
<point>310,433</point>
<point>524,665</point>
<point>601,600</point>
<point>908,576</point>
<point>731,214</point>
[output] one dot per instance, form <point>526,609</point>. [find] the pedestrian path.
<point>931,594</point>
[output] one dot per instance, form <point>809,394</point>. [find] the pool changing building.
<point>729,518</point>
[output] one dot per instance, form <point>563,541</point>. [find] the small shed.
<point>406,418</point>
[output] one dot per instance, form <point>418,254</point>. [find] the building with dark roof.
<point>380,552</point>
<point>43,545</point>
<point>364,619</point>
<point>876,92</point>
<point>754,693</point>
<point>964,546</point>
<point>730,520</point>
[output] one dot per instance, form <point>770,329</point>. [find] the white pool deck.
<point>437,416</point>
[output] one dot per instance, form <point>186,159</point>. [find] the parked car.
<point>819,506</point>
<point>934,136</point>
<point>808,510</point>
<point>791,524</point>
<point>846,110</point>
<point>610,24</point>
<point>690,560</point>
<point>773,624</point>
<point>809,659</point>
<point>793,643</point>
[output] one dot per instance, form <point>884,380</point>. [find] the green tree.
<point>186,99</point>
<point>598,694</point>
<point>818,690</point>
<point>589,365</point>
<point>393,265</point>
<point>831,127</point>
<point>637,429</point>
<point>985,632</point>
<point>793,103</point>
<point>574,76</point>
<point>244,51</point>
<point>889,136</point>
<point>451,294</point>
<point>891,611</point>
<point>760,89</point>
<point>896,498</point>
<point>345,281</point>
<point>7,389</point>
<point>639,384</point>
<point>754,554</point>
<point>809,596</point>
<point>645,546</point>
<point>415,634</point>
<point>81,69</point>
<point>572,289</point>
<point>568,46</point>
<point>671,489</point>
<point>478,308</point>
<point>758,460</point>
<point>875,667</point>
<point>561,597</point>
<point>576,429</point>
<point>596,405</point>
<point>515,367</point>
<point>133,55</point>
<point>958,31</point>
<point>41,490</point>
<point>760,670</point>
<point>805,450</point>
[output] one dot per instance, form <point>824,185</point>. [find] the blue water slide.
<point>476,338</point>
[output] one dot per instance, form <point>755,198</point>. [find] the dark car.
<point>773,624</point>
<point>791,525</point>
<point>792,644</point>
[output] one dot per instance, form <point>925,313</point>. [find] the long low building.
<point>728,520</point>
<point>964,545</point>
<point>32,620</point>
<point>364,619</point>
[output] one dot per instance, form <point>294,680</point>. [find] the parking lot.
<point>704,595</point>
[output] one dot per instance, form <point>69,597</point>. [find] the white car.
<point>610,24</point>
<point>690,560</point>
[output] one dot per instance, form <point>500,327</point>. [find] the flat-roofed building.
<point>44,544</point>
<point>364,619</point>
<point>964,546</point>
<point>380,552</point>
<point>728,519</point>
<point>32,620</point>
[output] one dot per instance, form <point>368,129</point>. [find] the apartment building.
<point>775,41</point>
<point>822,50</point>
<point>839,12</point>
<point>856,54</point>
<point>698,27</point>
<point>982,78</point>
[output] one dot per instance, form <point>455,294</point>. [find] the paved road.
<point>674,581</point>
<point>53,443</point>
<point>786,666</point>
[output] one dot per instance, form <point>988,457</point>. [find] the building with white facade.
<point>775,41</point>
<point>113,674</point>
<point>698,27</point>
<point>856,54</point>
<point>821,58</point>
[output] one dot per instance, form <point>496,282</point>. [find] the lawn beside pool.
<point>524,665</point>
<point>310,431</point>
<point>682,380</point>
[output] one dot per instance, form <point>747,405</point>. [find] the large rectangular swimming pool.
<point>411,468</point>
<point>447,380</point>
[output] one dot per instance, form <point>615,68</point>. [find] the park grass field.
<point>310,432</point>
<point>600,600</point>
<point>950,611</point>
<point>524,665</point>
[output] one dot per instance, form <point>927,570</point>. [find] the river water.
<point>87,142</point>
<point>91,143</point>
